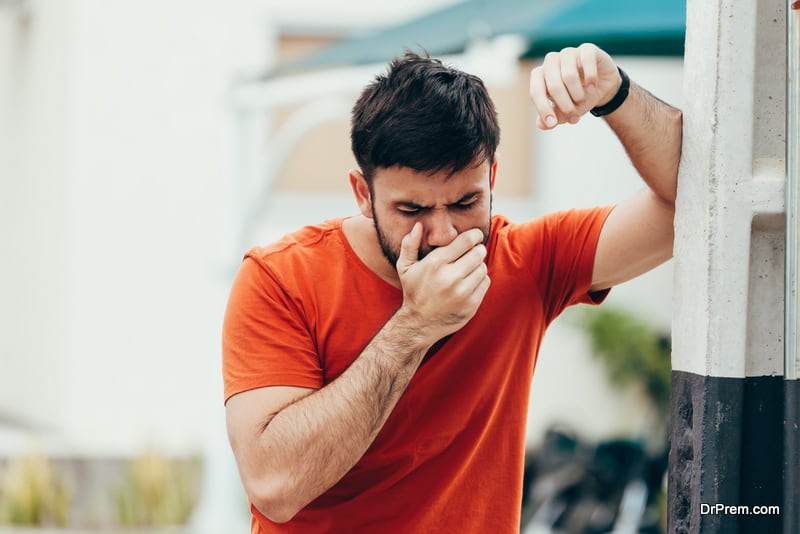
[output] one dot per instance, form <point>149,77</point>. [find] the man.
<point>377,367</point>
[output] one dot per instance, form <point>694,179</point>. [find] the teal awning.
<point>621,27</point>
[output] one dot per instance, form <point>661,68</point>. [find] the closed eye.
<point>466,203</point>
<point>410,209</point>
<point>409,212</point>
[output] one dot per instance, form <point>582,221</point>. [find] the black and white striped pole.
<point>727,407</point>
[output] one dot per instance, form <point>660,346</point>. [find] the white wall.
<point>118,139</point>
<point>33,214</point>
<point>351,13</point>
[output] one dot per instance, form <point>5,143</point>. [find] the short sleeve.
<point>266,340</point>
<point>564,262</point>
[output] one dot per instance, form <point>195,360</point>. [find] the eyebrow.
<point>413,205</point>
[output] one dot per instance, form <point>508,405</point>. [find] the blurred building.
<point>112,147</point>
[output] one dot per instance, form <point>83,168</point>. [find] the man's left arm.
<point>638,234</point>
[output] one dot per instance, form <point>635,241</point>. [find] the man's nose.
<point>440,229</point>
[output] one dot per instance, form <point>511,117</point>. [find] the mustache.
<point>424,252</point>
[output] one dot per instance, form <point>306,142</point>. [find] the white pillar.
<point>728,291</point>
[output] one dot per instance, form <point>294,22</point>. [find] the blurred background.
<point>145,145</point>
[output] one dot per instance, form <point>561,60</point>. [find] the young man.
<point>377,367</point>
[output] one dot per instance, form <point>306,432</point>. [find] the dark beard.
<point>392,256</point>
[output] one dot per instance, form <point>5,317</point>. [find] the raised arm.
<point>292,444</point>
<point>638,234</point>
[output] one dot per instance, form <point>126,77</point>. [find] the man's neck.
<point>360,233</point>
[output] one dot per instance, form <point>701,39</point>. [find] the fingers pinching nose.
<point>409,246</point>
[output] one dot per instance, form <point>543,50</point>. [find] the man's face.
<point>445,204</point>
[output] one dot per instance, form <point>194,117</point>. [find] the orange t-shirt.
<point>450,456</point>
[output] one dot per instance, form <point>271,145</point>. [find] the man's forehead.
<point>424,190</point>
<point>406,176</point>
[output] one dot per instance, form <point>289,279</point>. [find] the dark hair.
<point>423,115</point>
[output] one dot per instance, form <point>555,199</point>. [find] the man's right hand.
<point>442,292</point>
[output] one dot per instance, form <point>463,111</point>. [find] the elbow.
<point>272,501</point>
<point>275,512</point>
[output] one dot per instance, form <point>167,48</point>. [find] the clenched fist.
<point>571,82</point>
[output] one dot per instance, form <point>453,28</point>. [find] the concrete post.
<point>727,387</point>
<point>791,473</point>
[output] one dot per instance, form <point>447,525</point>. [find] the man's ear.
<point>493,173</point>
<point>361,191</point>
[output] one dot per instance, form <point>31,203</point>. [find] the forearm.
<point>311,444</point>
<point>651,132</point>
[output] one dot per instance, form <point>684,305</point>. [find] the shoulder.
<point>551,224</point>
<point>542,236</point>
<point>293,262</point>
<point>300,245</point>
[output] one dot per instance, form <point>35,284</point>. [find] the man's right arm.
<point>293,444</point>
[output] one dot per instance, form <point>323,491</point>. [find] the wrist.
<point>617,100</point>
<point>414,332</point>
